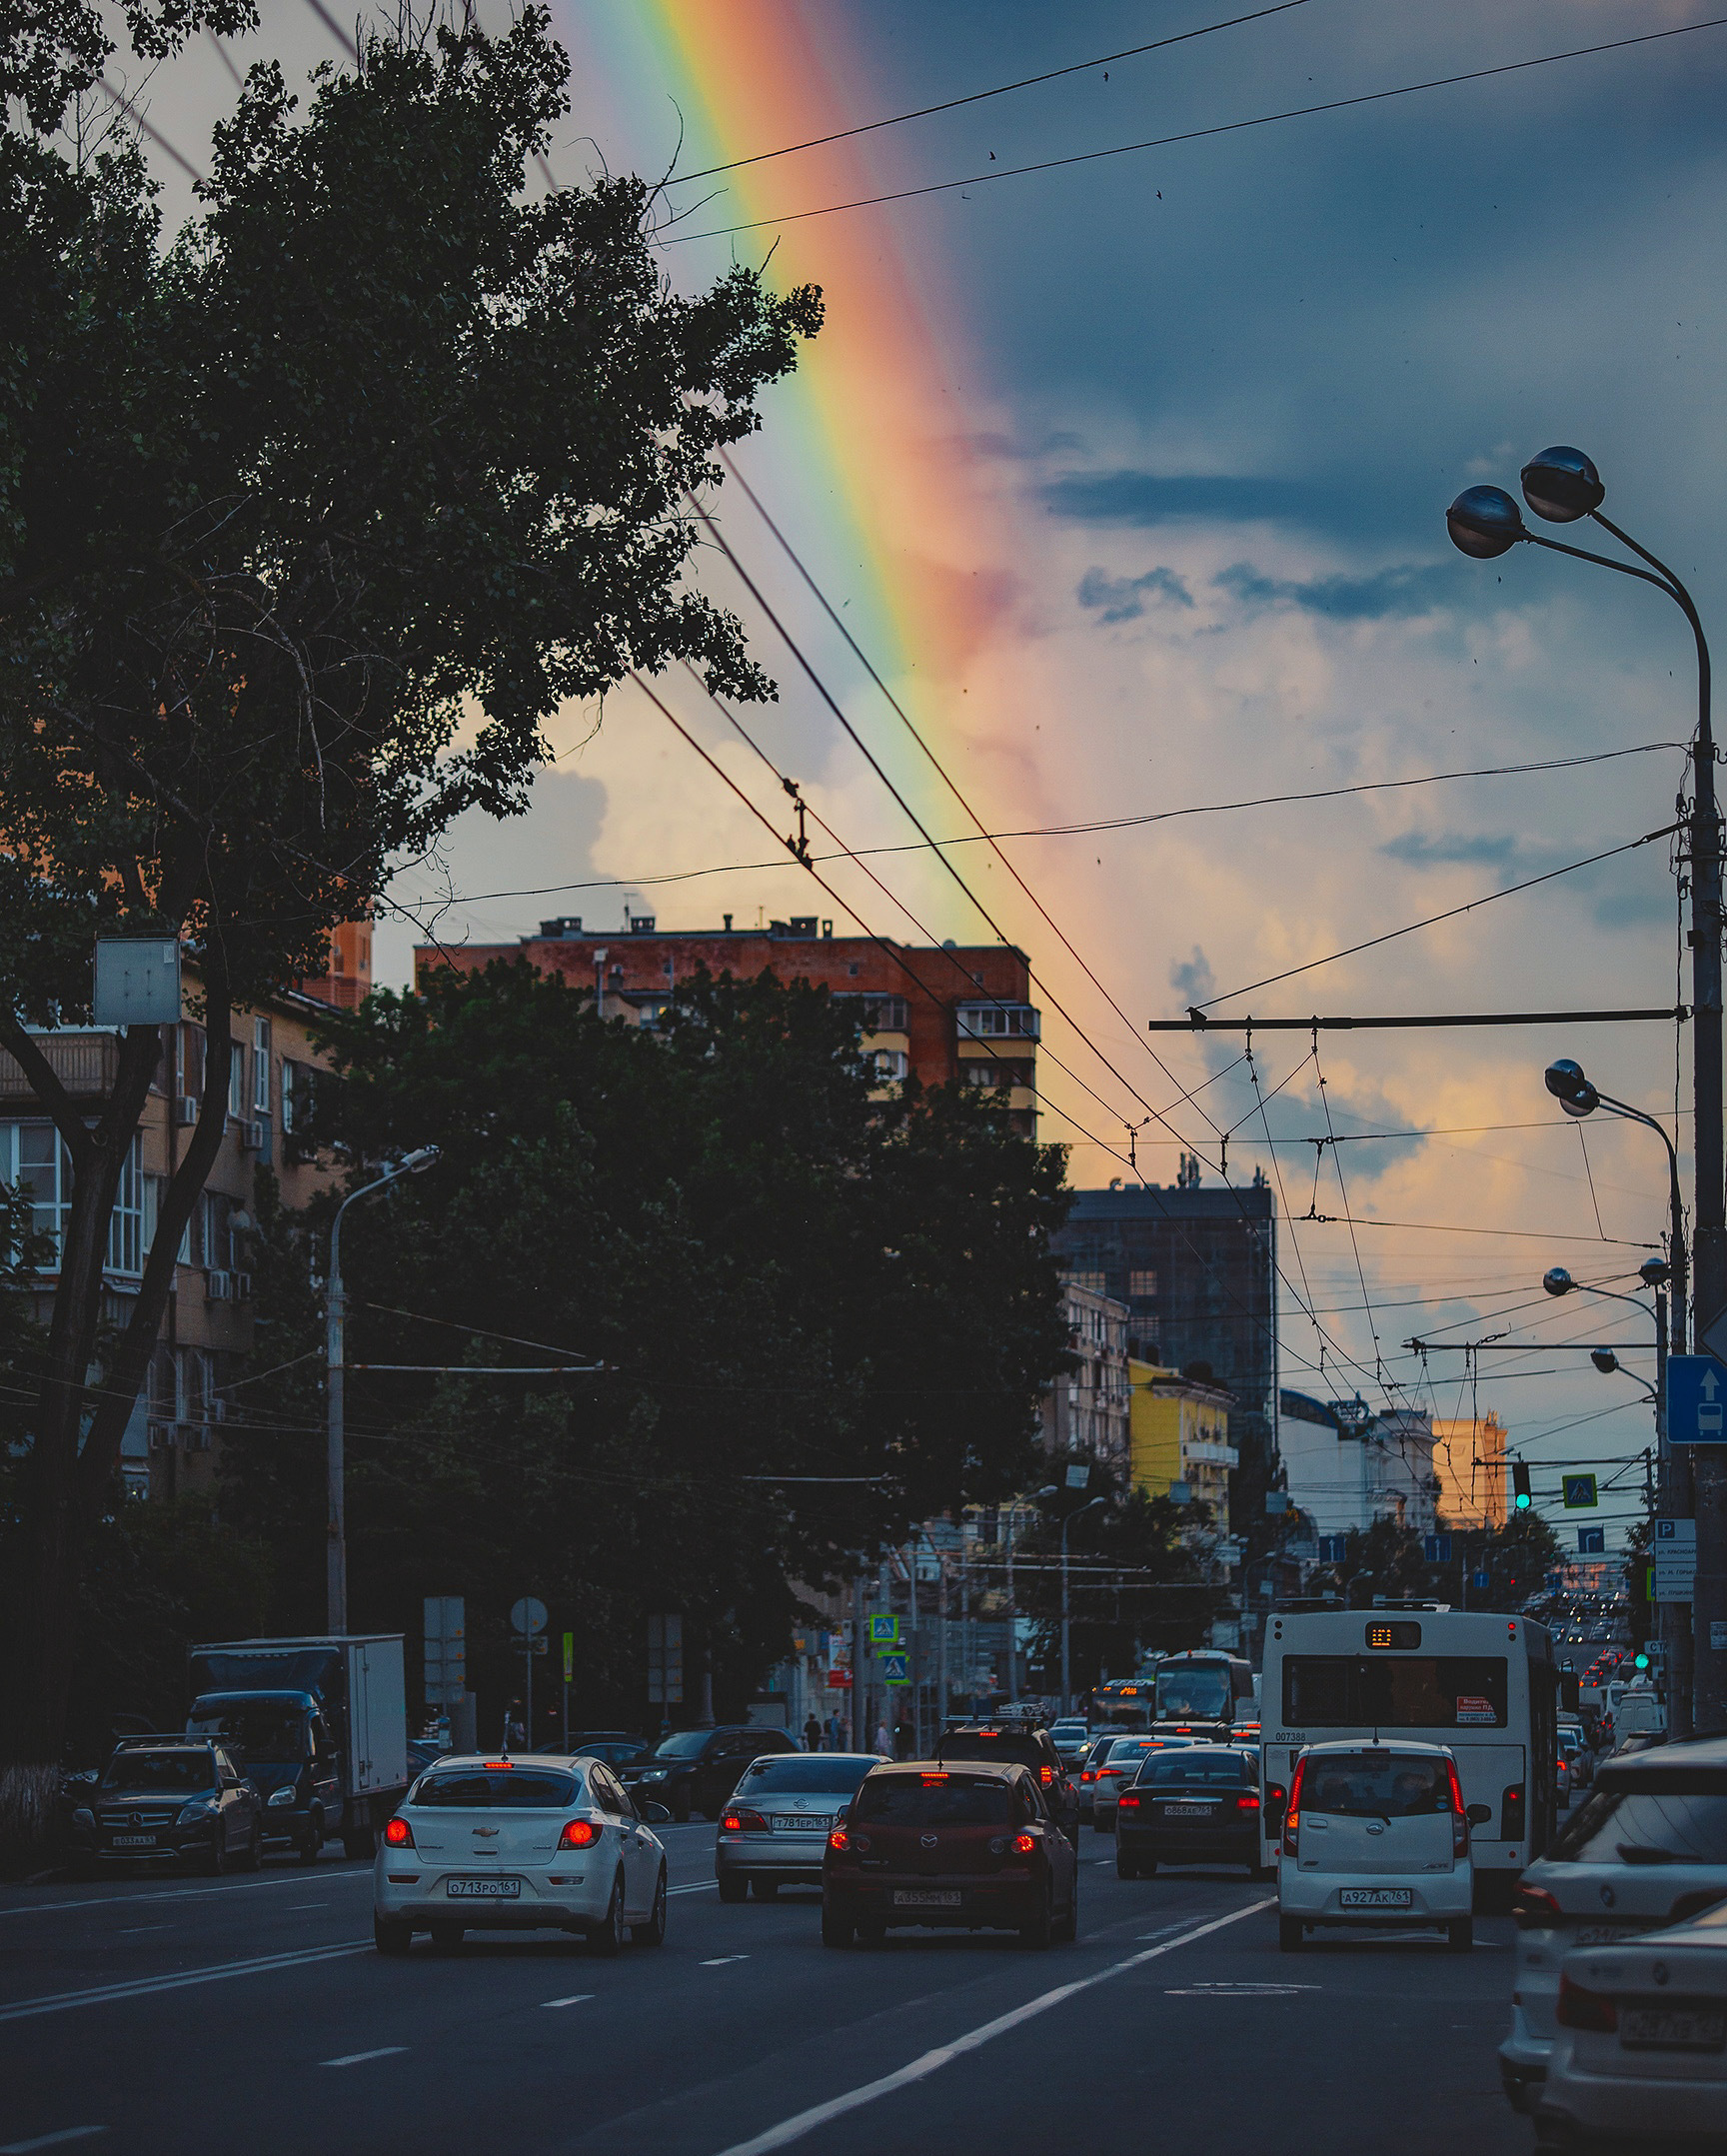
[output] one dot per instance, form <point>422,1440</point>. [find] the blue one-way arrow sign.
<point>1696,1400</point>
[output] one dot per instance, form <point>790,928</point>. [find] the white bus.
<point>1484,1684</point>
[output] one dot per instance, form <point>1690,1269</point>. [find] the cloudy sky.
<point>1128,476</point>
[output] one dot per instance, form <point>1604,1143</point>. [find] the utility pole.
<point>942,1641</point>
<point>1012,1613</point>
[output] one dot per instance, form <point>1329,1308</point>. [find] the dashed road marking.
<point>575,1998</point>
<point>57,2002</point>
<point>359,2058</point>
<point>724,1961</point>
<point>49,2141</point>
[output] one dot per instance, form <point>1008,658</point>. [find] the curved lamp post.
<point>1066,1682</point>
<point>336,1559</point>
<point>1577,1096</point>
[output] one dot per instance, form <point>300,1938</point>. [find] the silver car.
<point>776,1826</point>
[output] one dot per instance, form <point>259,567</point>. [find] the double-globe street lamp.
<point>336,1557</point>
<point>1562,486</point>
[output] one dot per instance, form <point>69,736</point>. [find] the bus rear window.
<point>1411,1691</point>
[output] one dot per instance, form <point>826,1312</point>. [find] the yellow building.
<point>1469,1459</point>
<point>1178,1431</point>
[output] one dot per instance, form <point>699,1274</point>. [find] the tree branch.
<point>45,1083</point>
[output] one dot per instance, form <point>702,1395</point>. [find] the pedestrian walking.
<point>812,1736</point>
<point>884,1742</point>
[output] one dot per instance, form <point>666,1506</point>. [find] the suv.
<point>696,1770</point>
<point>1647,1848</point>
<point>1019,1744</point>
<point>163,1800</point>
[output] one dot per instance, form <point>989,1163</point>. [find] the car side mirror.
<point>656,1814</point>
<point>1478,1814</point>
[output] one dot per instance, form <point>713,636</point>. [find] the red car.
<point>969,1847</point>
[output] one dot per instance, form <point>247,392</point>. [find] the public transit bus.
<point>1483,1685</point>
<point>1125,1704</point>
<point>1203,1694</point>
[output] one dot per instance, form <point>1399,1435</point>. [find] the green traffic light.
<point>1641,1661</point>
<point>1523,1500</point>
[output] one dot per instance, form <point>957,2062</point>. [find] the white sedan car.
<point>528,1844</point>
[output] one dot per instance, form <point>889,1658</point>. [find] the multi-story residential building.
<point>1469,1459</point>
<point>940,1012</point>
<point>1179,1430</point>
<point>173,1439</point>
<point>1085,1411</point>
<point>1197,1271</point>
<point>1348,1467</point>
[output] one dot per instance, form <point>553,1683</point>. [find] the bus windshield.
<point>1198,1694</point>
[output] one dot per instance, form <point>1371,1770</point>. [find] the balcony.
<point>997,1022</point>
<point>87,1064</point>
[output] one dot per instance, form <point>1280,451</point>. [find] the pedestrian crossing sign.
<point>895,1670</point>
<point>1579,1493</point>
<point>883,1631</point>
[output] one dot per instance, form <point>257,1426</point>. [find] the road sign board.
<point>883,1631</point>
<point>1079,1474</point>
<point>895,1670</point>
<point>1675,1566</point>
<point>528,1615</point>
<point>1481,1581</point>
<point>1696,1400</point>
<point>1334,1548</point>
<point>1579,1493</point>
<point>665,1660</point>
<point>446,1651</point>
<point>1437,1549</point>
<point>569,1658</point>
<point>1591,1541</point>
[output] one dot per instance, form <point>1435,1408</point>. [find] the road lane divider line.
<point>359,2058</point>
<point>931,2062</point>
<point>49,2141</point>
<point>179,1893</point>
<point>575,1998</point>
<point>702,1886</point>
<point>57,2002</point>
<point>724,1961</point>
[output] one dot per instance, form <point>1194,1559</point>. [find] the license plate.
<point>919,1898</point>
<point>483,1889</point>
<point>1603,1934</point>
<point>1189,1811</point>
<point>800,1823</point>
<point>132,1842</point>
<point>1671,2028</point>
<point>1375,1897</point>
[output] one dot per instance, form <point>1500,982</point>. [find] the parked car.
<point>972,1847</point>
<point>1646,1848</point>
<point>1640,2047</point>
<point>533,1842</point>
<point>696,1770</point>
<point>774,1828</point>
<point>1192,1804</point>
<point>1375,1835</point>
<point>1029,1746</point>
<point>164,1802</point>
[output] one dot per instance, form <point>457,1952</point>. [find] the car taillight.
<point>1126,1801</point>
<point>578,1834</point>
<point>1293,1817</point>
<point>742,1822</point>
<point>1459,1818</point>
<point>1087,1775</point>
<point>1511,1813</point>
<point>398,1834</point>
<point>848,1844</point>
<point>1248,1803</point>
<point>1024,1844</point>
<point>1580,2009</point>
<point>1045,1775</point>
<point>1535,1908</point>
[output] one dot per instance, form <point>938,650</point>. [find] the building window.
<point>1141,1284</point>
<point>889,1063</point>
<point>291,1092</point>
<point>990,1022</point>
<point>34,1157</point>
<point>236,1078</point>
<point>1097,1282</point>
<point>260,1067</point>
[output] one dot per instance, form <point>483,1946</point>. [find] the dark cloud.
<point>1149,497</point>
<point>1408,588</point>
<point>1192,980</point>
<point>1445,848</point>
<point>1122,598</point>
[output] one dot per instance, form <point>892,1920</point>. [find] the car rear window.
<point>1405,1691</point>
<point>1195,1770</point>
<point>795,1777</point>
<point>1008,1745</point>
<point>934,1800</point>
<point>1676,1820</point>
<point>1376,1786</point>
<point>498,1789</point>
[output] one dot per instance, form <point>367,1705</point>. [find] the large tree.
<point>308,522</point>
<point>781,1274</point>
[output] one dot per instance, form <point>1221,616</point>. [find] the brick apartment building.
<point>943,1013</point>
<point>173,1439</point>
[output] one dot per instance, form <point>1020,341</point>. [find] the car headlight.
<point>83,1816</point>
<point>654,1775</point>
<point>197,1812</point>
<point>283,1795</point>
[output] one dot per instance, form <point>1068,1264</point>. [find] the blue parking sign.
<point>1696,1400</point>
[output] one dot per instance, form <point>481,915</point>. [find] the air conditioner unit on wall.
<point>251,1135</point>
<point>218,1286</point>
<point>161,1436</point>
<point>185,1109</point>
<point>243,1287</point>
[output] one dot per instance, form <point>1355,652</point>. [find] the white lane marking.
<point>308,1906</point>
<point>575,1998</point>
<point>724,1962</point>
<point>131,1931</point>
<point>804,2122</point>
<point>361,1872</point>
<point>359,2058</point>
<point>702,1886</point>
<point>57,2002</point>
<point>49,2141</point>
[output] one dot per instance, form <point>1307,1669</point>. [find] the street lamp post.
<point>1562,486</point>
<point>336,1555</point>
<point>1067,1675</point>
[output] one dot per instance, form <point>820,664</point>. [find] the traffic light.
<point>1641,1660</point>
<point>1520,1486</point>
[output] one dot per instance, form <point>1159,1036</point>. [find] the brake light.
<point>1511,1813</point>
<point>1248,1802</point>
<point>742,1822</point>
<point>578,1834</point>
<point>398,1834</point>
<point>1535,1908</point>
<point>1045,1775</point>
<point>1127,1802</point>
<point>1088,1775</point>
<point>1581,2009</point>
<point>1184,1729</point>
<point>1459,1820</point>
<point>500,1766</point>
<point>1024,1843</point>
<point>1293,1817</point>
<point>839,1841</point>
<point>932,1781</point>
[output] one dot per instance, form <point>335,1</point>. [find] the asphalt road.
<point>252,2013</point>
